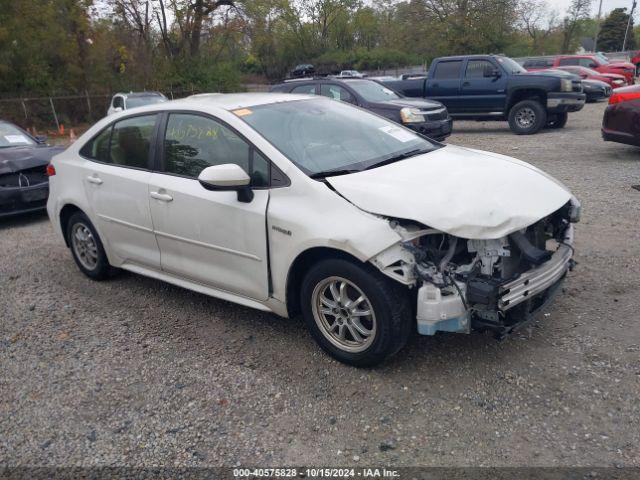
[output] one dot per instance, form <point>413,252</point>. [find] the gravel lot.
<point>137,372</point>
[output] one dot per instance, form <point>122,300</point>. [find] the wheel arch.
<point>301,264</point>
<point>65,215</point>
<point>527,94</point>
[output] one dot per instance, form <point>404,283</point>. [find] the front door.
<point>210,236</point>
<point>482,89</point>
<point>116,180</point>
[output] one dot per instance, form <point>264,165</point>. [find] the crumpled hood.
<point>14,159</point>
<point>463,192</point>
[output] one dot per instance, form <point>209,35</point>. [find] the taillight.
<point>51,170</point>
<point>619,97</point>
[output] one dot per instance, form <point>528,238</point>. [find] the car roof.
<point>140,94</point>
<point>234,101</point>
<point>462,57</point>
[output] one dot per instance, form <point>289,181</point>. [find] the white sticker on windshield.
<point>16,139</point>
<point>398,133</point>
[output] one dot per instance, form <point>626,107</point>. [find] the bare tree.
<point>579,11</point>
<point>535,18</point>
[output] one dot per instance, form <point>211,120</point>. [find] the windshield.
<point>511,66</point>
<point>603,60</point>
<point>133,102</point>
<point>372,91</point>
<point>12,136</point>
<point>324,136</point>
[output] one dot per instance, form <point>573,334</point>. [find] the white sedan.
<point>300,204</point>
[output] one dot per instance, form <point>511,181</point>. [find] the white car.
<point>126,101</point>
<point>350,74</point>
<point>299,204</point>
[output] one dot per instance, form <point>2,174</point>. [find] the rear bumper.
<point>620,137</point>
<point>565,102</point>
<point>436,129</point>
<point>16,200</point>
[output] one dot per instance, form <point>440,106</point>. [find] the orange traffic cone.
<point>61,130</point>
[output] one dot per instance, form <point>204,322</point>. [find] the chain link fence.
<point>59,113</point>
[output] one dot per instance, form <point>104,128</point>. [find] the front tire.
<point>86,248</point>
<point>527,117</point>
<point>355,313</point>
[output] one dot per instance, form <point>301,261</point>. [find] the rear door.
<point>208,236</point>
<point>444,84</point>
<point>483,90</point>
<point>116,181</point>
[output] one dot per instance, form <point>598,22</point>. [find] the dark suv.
<point>427,117</point>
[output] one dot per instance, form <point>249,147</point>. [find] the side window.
<point>569,61</point>
<point>478,68</point>
<point>587,62</point>
<point>336,92</point>
<point>307,89</point>
<point>131,141</point>
<point>448,70</point>
<point>193,143</point>
<point>98,147</point>
<point>118,102</point>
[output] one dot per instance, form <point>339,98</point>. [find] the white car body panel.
<point>210,242</point>
<point>466,193</point>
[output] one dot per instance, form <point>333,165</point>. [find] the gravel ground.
<point>137,372</point>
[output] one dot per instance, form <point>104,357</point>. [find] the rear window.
<point>448,70</point>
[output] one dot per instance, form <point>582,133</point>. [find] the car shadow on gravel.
<point>23,220</point>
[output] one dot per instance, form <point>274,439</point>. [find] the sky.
<point>607,6</point>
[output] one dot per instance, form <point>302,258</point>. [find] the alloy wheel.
<point>84,246</point>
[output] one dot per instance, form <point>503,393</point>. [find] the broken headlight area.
<point>493,284</point>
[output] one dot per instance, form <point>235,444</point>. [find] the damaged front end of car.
<point>490,284</point>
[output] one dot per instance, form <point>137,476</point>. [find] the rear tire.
<point>557,120</point>
<point>336,295</point>
<point>527,117</point>
<point>86,248</point>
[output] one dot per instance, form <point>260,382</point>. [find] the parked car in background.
<point>495,87</point>
<point>621,122</point>
<point>350,74</point>
<point>24,185</point>
<point>614,80</point>
<point>596,90</point>
<point>301,204</point>
<point>302,70</point>
<point>594,61</point>
<point>126,101</point>
<point>427,117</point>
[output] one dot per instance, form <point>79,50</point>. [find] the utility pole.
<point>626,32</point>
<point>595,40</point>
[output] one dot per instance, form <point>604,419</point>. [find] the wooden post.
<point>88,105</point>
<point>55,115</point>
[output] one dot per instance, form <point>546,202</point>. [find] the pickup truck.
<point>495,87</point>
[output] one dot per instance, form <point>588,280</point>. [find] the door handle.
<point>94,179</point>
<point>163,197</point>
<point>466,84</point>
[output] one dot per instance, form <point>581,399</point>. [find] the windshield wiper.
<point>398,157</point>
<point>331,173</point>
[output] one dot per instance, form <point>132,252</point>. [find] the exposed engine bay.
<point>495,284</point>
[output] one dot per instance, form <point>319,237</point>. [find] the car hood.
<point>14,159</point>
<point>411,103</point>
<point>613,76</point>
<point>620,64</point>
<point>463,192</point>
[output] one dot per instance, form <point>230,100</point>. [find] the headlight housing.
<point>618,82</point>
<point>411,115</point>
<point>566,85</point>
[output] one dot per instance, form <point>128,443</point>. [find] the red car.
<point>621,122</point>
<point>599,63</point>
<point>613,79</point>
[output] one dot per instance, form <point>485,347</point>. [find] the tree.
<point>612,31</point>
<point>538,22</point>
<point>572,24</point>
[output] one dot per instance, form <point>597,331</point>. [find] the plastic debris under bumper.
<point>539,279</point>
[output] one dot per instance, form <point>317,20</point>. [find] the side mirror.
<point>118,109</point>
<point>41,139</point>
<point>492,73</point>
<point>227,177</point>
